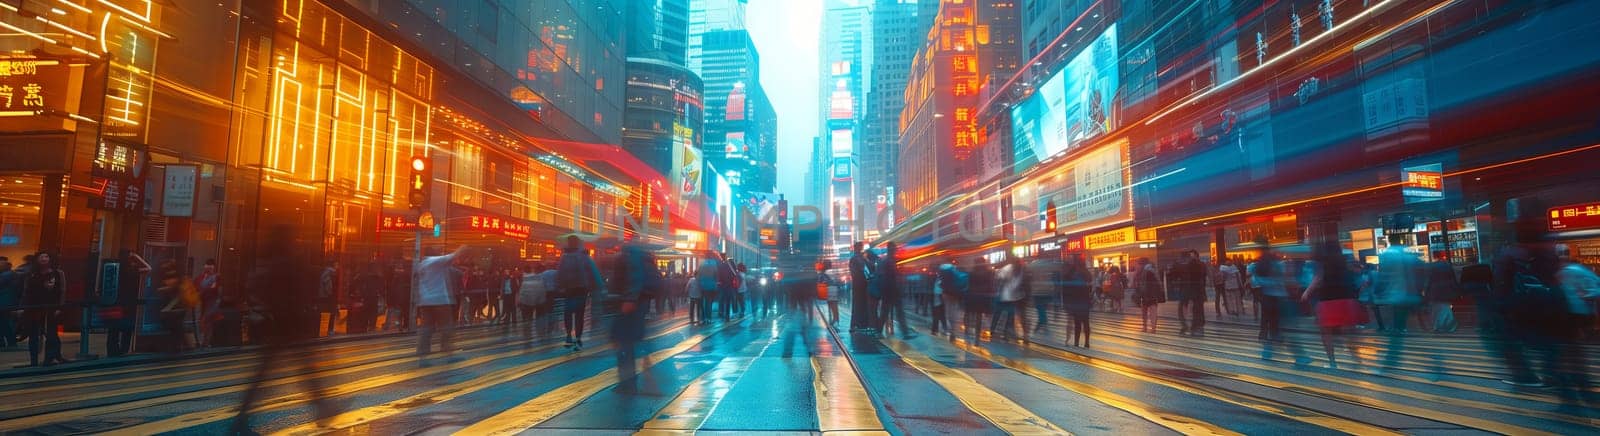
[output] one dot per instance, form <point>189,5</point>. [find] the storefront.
<point>1578,227</point>
<point>1119,247</point>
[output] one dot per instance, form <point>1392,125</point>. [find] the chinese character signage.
<point>1575,217</point>
<point>1114,238</point>
<point>114,160</point>
<point>177,190</point>
<point>1422,183</point>
<point>391,223</point>
<point>37,93</point>
<point>498,225</point>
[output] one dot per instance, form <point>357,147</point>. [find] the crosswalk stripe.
<point>999,410</point>
<point>843,404</point>
<point>218,414</point>
<point>378,360</point>
<point>1178,423</point>
<point>448,392</point>
<point>1421,412</point>
<point>694,404</point>
<point>540,409</point>
<point>81,413</point>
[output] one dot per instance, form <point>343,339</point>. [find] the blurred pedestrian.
<point>44,293</point>
<point>1230,287</point>
<point>577,277</point>
<point>398,297</point>
<point>10,296</point>
<point>1580,287</point>
<point>1334,291</point>
<point>950,285</point>
<point>1147,293</point>
<point>436,298</point>
<point>1114,284</point>
<point>1044,286</point>
<point>634,275</point>
<point>328,295</point>
<point>277,319</point>
<point>178,298</point>
<point>1075,295</point>
<point>1011,276</point>
<point>1268,273</point>
<point>890,287</point>
<point>1399,288</point>
<point>860,309</point>
<point>209,282</point>
<point>1189,277</point>
<point>366,289</point>
<point>702,289</point>
<point>1441,288</point>
<point>830,286</point>
<point>530,300</point>
<point>982,287</point>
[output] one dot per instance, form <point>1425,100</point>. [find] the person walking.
<point>727,286</point>
<point>860,305</point>
<point>366,290</point>
<point>702,290</point>
<point>176,292</point>
<point>830,286</point>
<point>328,295</point>
<point>1565,358</point>
<point>279,322</point>
<point>949,285</point>
<point>1267,273</point>
<point>1441,288</point>
<point>1147,293</point>
<point>1398,288</point>
<point>1044,286</point>
<point>981,291</point>
<point>1189,277</point>
<point>634,275</point>
<point>889,286</point>
<point>397,298</point>
<point>532,297</point>
<point>1230,288</point>
<point>209,284</point>
<point>436,301</point>
<point>1334,291</point>
<point>577,277</point>
<point>44,292</point>
<point>1114,284</point>
<point>10,296</point>
<point>1012,293</point>
<point>1077,297</point>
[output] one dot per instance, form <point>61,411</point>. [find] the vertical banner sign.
<point>1422,183</point>
<point>177,190</point>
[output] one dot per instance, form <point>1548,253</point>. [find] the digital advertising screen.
<point>1071,108</point>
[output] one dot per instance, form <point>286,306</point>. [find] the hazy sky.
<point>785,32</point>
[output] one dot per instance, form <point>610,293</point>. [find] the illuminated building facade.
<point>710,16</point>
<point>307,121</point>
<point>665,119</point>
<point>938,129</point>
<point>898,30</point>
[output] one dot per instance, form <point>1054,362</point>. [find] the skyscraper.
<point>663,122</point>
<point>709,16</point>
<point>899,28</point>
<point>731,72</point>
<point>658,29</point>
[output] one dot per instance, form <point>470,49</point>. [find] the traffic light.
<point>421,182</point>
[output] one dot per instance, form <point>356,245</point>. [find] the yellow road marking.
<point>842,402</point>
<point>694,404</point>
<point>538,410</point>
<point>445,393</point>
<point>1405,409</point>
<point>1179,423</point>
<point>181,380</point>
<point>999,410</point>
<point>67,415</point>
<point>240,376</point>
<point>163,367</point>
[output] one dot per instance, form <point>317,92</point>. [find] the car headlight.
<point>763,281</point>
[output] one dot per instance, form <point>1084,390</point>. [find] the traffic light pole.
<point>416,263</point>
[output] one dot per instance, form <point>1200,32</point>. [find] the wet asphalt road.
<point>789,373</point>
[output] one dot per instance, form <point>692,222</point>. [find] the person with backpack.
<point>634,277</point>
<point>577,277</point>
<point>950,284</point>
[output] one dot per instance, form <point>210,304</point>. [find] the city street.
<point>790,373</point>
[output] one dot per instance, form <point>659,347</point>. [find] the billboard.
<point>1070,108</point>
<point>1090,191</point>
<point>687,167</point>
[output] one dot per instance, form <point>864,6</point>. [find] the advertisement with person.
<point>1071,108</point>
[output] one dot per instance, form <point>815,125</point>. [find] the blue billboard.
<point>1071,108</point>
